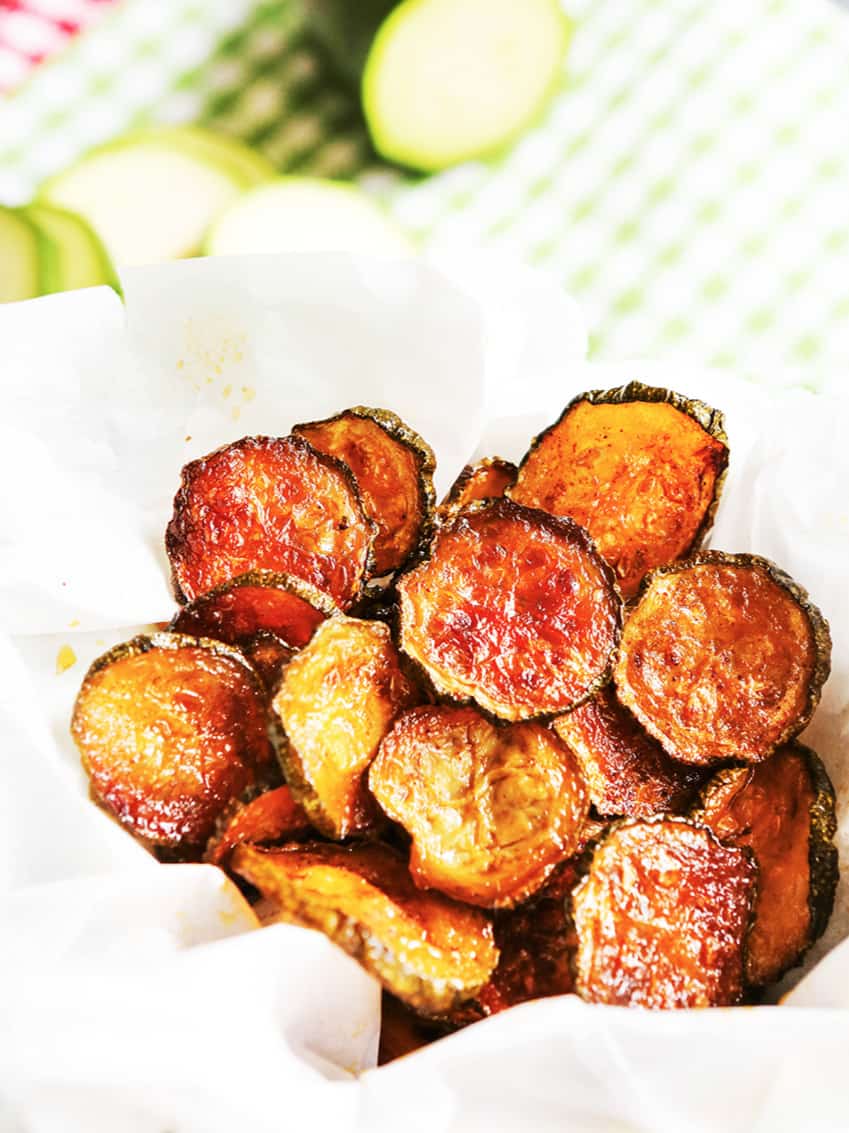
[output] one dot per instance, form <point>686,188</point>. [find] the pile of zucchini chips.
<point>527,742</point>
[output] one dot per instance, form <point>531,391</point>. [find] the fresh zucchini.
<point>75,256</point>
<point>23,248</point>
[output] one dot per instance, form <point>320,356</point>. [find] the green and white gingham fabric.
<point>689,184</point>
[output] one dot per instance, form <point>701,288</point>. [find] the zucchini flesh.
<point>269,503</point>
<point>488,479</point>
<point>662,917</point>
<point>21,255</point>
<point>783,811</point>
<point>491,809</point>
<point>428,951</point>
<point>641,468</point>
<point>514,609</point>
<point>393,468</point>
<point>336,702</point>
<point>171,730</point>
<point>628,772</point>
<point>77,255</point>
<point>723,657</point>
<point>273,816</point>
<point>450,80</point>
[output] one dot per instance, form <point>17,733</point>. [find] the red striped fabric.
<point>34,30</point>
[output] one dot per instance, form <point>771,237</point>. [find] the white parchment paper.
<point>138,997</point>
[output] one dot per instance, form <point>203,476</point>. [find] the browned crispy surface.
<point>514,609</point>
<point>171,730</point>
<point>336,702</point>
<point>268,503</point>
<point>393,468</point>
<point>718,660</point>
<point>662,917</point>
<point>273,816</point>
<point>269,656</point>
<point>491,808</point>
<point>628,772</point>
<point>427,950</point>
<point>640,476</point>
<point>488,479</point>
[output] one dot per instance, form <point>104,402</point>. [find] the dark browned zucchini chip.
<point>491,808</point>
<point>393,468</point>
<point>783,811</point>
<point>402,1031</point>
<point>257,602</point>
<point>489,479</point>
<point>427,950</point>
<point>336,702</point>
<point>662,917</point>
<point>723,657</point>
<point>269,503</point>
<point>641,468</point>
<point>628,772</point>
<point>273,816</point>
<point>269,656</point>
<point>171,729</point>
<point>514,609</point>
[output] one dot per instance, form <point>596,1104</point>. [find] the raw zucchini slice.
<point>662,917</point>
<point>22,251</point>
<point>306,214</point>
<point>641,468</point>
<point>514,609</point>
<point>269,503</point>
<point>152,194</point>
<point>336,702</point>
<point>489,479</point>
<point>427,950</point>
<point>450,80</point>
<point>724,657</point>
<point>491,809</point>
<point>628,772</point>
<point>271,817</point>
<point>171,730</point>
<point>783,811</point>
<point>393,468</point>
<point>77,257</point>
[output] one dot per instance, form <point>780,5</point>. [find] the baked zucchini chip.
<point>627,771</point>
<point>336,702</point>
<point>662,917</point>
<point>171,729</point>
<point>489,479</point>
<point>724,657</point>
<point>514,609</point>
<point>269,503</point>
<point>393,468</point>
<point>430,952</point>
<point>783,811</point>
<point>273,816</point>
<point>269,656</point>
<point>641,468</point>
<point>491,808</point>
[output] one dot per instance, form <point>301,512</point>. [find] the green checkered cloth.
<point>689,184</point>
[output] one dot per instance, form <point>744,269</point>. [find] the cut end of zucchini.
<point>450,80</point>
<point>73,254</point>
<point>305,214</point>
<point>21,247</point>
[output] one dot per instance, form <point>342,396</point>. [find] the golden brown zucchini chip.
<point>628,772</point>
<point>783,811</point>
<point>393,468</point>
<point>514,609</point>
<point>487,480</point>
<point>662,917</point>
<point>430,952</point>
<point>491,808</point>
<point>273,816</point>
<point>723,657</point>
<point>641,468</point>
<point>171,729</point>
<point>269,503</point>
<point>336,702</point>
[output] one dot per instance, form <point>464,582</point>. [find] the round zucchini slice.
<point>171,729</point>
<point>269,503</point>
<point>427,950</point>
<point>514,609</point>
<point>271,817</point>
<point>393,468</point>
<point>723,657</point>
<point>628,772</point>
<point>783,811</point>
<point>336,702</point>
<point>662,917</point>
<point>491,809</point>
<point>489,479</point>
<point>641,468</point>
